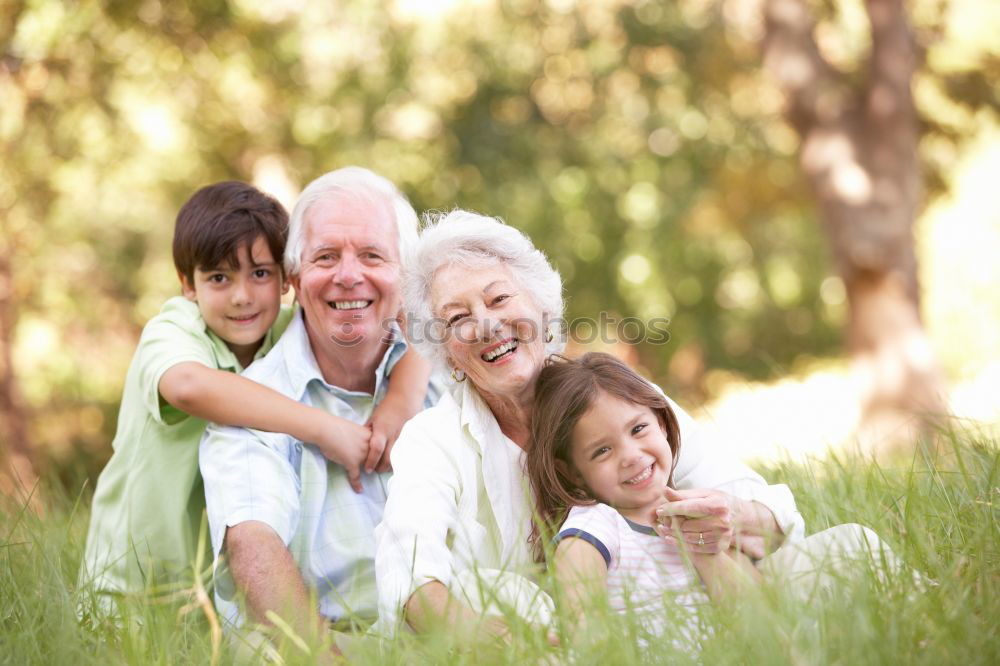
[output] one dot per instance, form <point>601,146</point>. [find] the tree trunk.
<point>859,154</point>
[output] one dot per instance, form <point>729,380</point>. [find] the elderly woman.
<point>459,501</point>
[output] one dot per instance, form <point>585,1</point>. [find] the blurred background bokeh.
<point>644,145</point>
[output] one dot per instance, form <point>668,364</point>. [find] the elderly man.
<point>287,518</point>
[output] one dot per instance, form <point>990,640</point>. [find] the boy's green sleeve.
<point>176,335</point>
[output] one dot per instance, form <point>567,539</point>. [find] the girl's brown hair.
<point>565,390</point>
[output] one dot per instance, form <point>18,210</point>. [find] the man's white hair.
<point>354,183</point>
<point>471,240</point>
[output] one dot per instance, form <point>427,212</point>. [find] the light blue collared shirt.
<point>288,484</point>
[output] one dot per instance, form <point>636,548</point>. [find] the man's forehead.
<point>362,221</point>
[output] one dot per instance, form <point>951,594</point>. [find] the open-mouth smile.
<point>350,305</point>
<point>500,351</point>
<point>641,477</point>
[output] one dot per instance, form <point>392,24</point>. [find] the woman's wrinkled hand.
<point>705,520</point>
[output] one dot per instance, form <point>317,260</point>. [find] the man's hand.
<point>347,444</point>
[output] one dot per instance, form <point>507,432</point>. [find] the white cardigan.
<point>459,498</point>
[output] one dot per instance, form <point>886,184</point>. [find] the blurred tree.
<point>859,133</point>
<point>638,142</point>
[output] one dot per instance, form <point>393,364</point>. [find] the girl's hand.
<point>704,520</point>
<point>727,576</point>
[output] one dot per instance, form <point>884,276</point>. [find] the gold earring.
<point>458,375</point>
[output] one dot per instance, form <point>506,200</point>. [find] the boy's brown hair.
<point>565,390</point>
<point>219,219</point>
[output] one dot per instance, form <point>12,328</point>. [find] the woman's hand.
<point>705,520</point>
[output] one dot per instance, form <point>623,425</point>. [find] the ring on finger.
<point>701,539</point>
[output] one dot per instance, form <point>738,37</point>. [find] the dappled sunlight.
<point>666,174</point>
<point>639,144</point>
<point>271,174</point>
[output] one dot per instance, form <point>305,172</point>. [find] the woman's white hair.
<point>354,183</point>
<point>471,240</point>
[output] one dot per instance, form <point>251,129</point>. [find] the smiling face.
<point>621,454</point>
<point>239,303</point>
<point>494,331</point>
<point>348,283</point>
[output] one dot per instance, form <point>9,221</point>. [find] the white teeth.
<point>349,305</point>
<point>641,476</point>
<point>501,350</point>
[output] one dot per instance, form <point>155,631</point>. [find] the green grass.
<point>942,516</point>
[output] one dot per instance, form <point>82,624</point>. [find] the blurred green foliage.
<point>638,144</point>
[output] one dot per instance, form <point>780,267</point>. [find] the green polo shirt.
<point>149,499</point>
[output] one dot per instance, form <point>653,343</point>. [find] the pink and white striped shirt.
<point>646,575</point>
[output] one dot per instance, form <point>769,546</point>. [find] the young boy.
<point>228,244</point>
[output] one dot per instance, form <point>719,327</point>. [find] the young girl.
<point>604,445</point>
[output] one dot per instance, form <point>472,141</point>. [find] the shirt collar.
<point>475,411</point>
<point>502,473</point>
<point>641,529</point>
<point>301,365</point>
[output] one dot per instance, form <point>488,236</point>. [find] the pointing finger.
<point>692,493</point>
<point>672,495</point>
<point>692,508</point>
